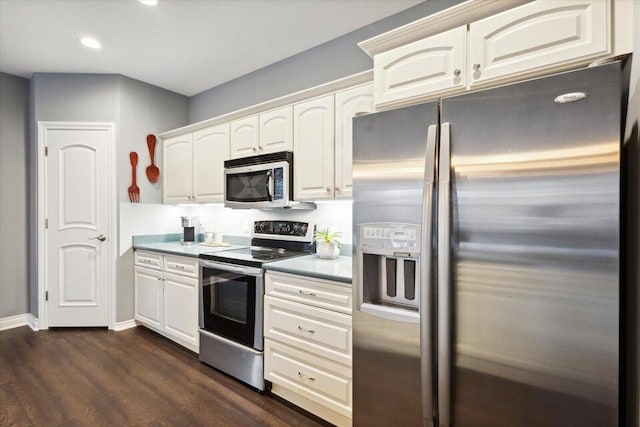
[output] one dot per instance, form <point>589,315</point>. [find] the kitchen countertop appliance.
<point>190,230</point>
<point>487,257</point>
<point>232,293</point>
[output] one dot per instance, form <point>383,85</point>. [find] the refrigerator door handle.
<point>425,279</point>
<point>444,288</point>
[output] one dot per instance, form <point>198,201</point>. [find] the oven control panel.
<point>282,228</point>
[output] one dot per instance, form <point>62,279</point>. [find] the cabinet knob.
<point>328,190</point>
<point>254,149</point>
<point>457,72</point>
<point>337,189</point>
<point>476,67</point>
<point>261,148</point>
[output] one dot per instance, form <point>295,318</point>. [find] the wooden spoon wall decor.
<point>153,173</point>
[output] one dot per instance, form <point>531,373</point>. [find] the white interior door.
<point>77,249</point>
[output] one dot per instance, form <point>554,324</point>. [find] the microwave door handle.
<point>269,185</point>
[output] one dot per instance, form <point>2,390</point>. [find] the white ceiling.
<point>182,45</point>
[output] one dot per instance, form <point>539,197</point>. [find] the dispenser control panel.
<point>390,236</point>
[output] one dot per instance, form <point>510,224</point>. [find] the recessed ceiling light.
<point>90,42</point>
<point>149,2</point>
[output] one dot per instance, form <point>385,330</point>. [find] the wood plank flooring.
<point>81,377</point>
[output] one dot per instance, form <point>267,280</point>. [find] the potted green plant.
<point>327,243</point>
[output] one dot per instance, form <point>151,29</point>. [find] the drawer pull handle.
<point>311,331</point>
<point>306,377</point>
<point>311,294</point>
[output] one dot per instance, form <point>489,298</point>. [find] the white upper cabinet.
<point>434,65</point>
<point>537,37</point>
<point>276,131</point>
<point>210,150</point>
<point>244,137</point>
<point>177,176</point>
<point>313,139</point>
<point>349,104</point>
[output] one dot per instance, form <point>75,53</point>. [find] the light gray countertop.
<point>338,269</point>
<point>176,248</point>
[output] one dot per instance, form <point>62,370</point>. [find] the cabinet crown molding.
<point>461,14</point>
<point>292,98</point>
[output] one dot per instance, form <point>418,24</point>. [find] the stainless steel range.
<point>231,297</point>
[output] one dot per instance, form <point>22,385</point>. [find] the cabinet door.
<point>181,309</point>
<point>421,70</point>
<point>210,150</point>
<point>177,176</point>
<point>313,149</point>
<point>148,297</point>
<point>244,137</point>
<point>349,103</point>
<point>276,131</point>
<point>537,37</point>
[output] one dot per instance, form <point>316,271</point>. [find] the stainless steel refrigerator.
<point>486,231</point>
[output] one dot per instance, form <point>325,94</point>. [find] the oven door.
<point>231,302</point>
<point>257,186</point>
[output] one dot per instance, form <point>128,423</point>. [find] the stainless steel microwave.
<point>264,181</point>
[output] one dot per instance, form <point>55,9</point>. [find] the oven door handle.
<point>250,271</point>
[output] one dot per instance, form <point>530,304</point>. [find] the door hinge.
<point>46,295</point>
<point>46,223</point>
<point>46,150</point>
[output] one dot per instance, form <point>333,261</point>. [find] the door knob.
<point>101,237</point>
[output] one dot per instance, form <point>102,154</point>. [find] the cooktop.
<point>272,241</point>
<point>253,256</point>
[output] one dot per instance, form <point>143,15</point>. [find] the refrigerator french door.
<point>507,202</point>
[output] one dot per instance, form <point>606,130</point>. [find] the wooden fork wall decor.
<point>134,191</point>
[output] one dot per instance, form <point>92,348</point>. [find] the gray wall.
<point>137,109</point>
<point>14,121</point>
<point>335,59</point>
<point>144,109</point>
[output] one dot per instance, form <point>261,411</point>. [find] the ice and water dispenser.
<point>388,263</point>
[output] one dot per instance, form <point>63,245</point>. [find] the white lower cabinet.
<point>166,296</point>
<point>308,342</point>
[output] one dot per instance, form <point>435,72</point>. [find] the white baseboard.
<point>14,321</point>
<point>127,324</point>
<point>33,322</point>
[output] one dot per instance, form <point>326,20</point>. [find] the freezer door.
<point>391,384</point>
<point>533,289</point>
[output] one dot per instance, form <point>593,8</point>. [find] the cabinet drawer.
<point>315,292</point>
<point>148,259</point>
<point>308,375</point>
<point>323,332</point>
<point>181,265</point>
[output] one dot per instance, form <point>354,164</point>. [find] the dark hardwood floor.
<point>73,377</point>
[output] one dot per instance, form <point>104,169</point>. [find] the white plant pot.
<point>327,250</point>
